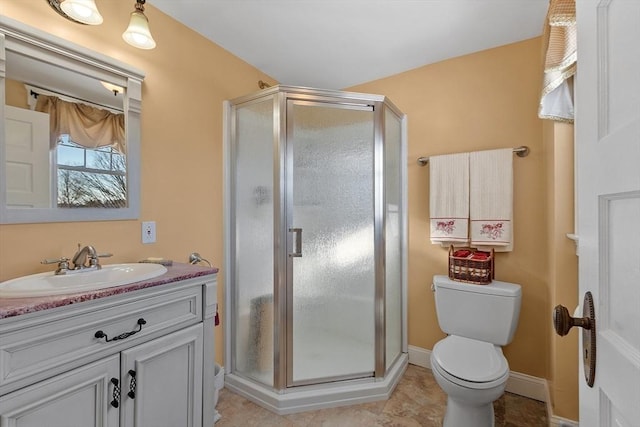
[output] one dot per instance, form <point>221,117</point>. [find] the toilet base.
<point>463,415</point>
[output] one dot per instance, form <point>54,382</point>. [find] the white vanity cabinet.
<point>56,372</point>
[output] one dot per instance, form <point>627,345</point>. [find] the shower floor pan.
<point>319,396</point>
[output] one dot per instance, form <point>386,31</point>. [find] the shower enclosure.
<point>315,247</point>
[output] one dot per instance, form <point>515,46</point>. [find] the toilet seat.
<point>470,363</point>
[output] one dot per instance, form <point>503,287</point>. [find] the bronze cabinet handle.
<point>101,334</point>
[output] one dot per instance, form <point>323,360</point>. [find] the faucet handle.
<point>94,262</point>
<point>63,264</point>
<point>54,260</point>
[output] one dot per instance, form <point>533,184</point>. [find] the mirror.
<point>70,149</point>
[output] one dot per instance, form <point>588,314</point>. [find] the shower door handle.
<point>298,237</point>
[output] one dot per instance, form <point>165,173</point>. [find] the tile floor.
<point>416,401</point>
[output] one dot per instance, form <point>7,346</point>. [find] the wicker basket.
<point>465,269</point>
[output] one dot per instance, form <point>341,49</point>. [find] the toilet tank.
<point>487,313</point>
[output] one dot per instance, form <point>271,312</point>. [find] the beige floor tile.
<point>417,401</point>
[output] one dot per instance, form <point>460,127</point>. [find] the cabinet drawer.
<point>54,343</point>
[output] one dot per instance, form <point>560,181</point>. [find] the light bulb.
<point>84,11</point>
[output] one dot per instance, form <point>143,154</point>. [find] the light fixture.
<point>81,11</point>
<point>113,88</point>
<point>138,34</point>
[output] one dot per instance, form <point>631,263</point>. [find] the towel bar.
<point>522,151</point>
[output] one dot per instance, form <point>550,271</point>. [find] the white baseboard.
<point>555,420</point>
<point>420,356</point>
<point>520,384</point>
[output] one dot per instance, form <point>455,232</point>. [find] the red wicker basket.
<point>471,265</point>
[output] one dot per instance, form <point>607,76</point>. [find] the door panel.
<point>394,224</point>
<point>330,206</point>
<point>165,376</point>
<point>608,183</point>
<point>78,398</point>
<point>252,246</point>
<point>27,153</point>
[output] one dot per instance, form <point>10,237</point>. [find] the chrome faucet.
<point>85,259</point>
<point>83,254</point>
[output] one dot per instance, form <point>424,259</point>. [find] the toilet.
<point>469,364</point>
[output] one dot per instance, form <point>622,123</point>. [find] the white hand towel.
<point>491,198</point>
<point>449,198</point>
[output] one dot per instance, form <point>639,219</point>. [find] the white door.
<point>608,181</point>
<point>27,158</point>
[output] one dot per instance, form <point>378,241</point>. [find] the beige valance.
<point>88,126</point>
<point>556,101</point>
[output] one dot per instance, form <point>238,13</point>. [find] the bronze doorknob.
<point>563,322</point>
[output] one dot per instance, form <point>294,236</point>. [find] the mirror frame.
<point>18,37</point>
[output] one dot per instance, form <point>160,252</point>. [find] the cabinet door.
<point>78,398</point>
<point>162,381</point>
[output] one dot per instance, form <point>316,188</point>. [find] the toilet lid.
<point>470,360</point>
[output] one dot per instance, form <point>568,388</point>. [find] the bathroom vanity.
<point>135,355</point>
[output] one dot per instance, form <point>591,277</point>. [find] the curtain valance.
<point>88,126</point>
<point>556,101</point>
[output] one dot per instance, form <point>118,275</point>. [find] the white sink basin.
<point>109,276</point>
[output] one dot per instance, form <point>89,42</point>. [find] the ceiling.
<point>335,44</point>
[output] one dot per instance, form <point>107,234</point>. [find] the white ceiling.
<point>335,44</point>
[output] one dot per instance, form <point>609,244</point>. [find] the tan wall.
<point>15,94</point>
<point>187,78</point>
<point>563,265</point>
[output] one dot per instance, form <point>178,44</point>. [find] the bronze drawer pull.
<point>122,336</point>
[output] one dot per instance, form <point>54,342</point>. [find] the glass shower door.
<point>330,244</point>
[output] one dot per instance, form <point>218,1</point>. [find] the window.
<point>90,177</point>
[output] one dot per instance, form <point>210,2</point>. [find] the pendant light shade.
<point>84,11</point>
<point>138,33</point>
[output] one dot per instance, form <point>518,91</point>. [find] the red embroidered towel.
<point>491,198</point>
<point>449,198</point>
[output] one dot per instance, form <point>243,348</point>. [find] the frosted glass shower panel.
<point>393,235</point>
<point>253,205</point>
<point>331,186</point>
